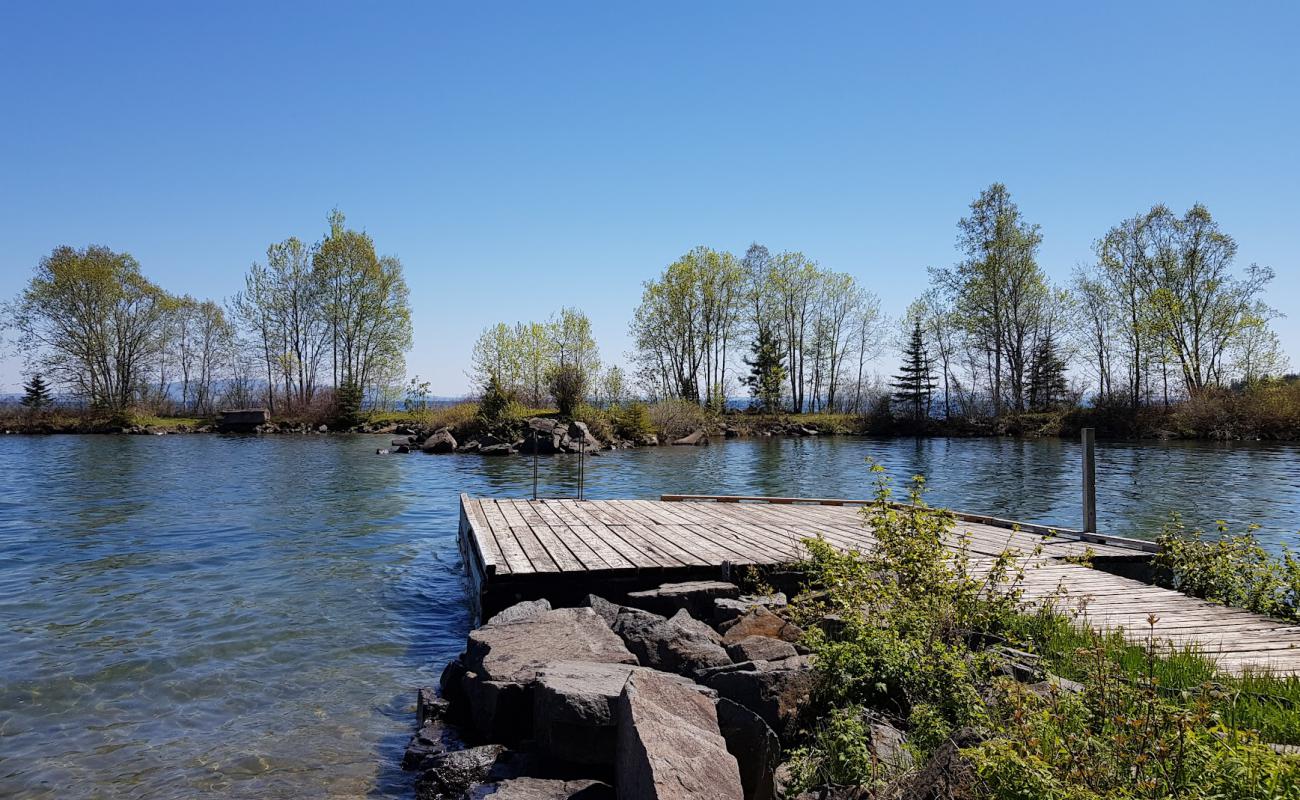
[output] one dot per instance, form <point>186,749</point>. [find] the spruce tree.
<point>766,371</point>
<point>1047,383</point>
<point>36,393</point>
<point>914,384</point>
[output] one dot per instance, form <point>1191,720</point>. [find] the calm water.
<point>240,617</point>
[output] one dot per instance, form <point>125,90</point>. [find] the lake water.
<point>211,616</point>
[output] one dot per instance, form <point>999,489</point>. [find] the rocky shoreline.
<point>684,691</point>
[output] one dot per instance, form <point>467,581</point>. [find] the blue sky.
<point>521,157</point>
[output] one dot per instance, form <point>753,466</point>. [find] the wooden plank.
<point>559,552</point>
<point>577,543</point>
<point>481,535</point>
<point>514,554</point>
<point>534,549</point>
<point>635,556</point>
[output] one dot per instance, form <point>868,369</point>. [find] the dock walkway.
<point>521,549</point>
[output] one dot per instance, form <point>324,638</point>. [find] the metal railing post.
<point>534,463</point>
<point>582,457</point>
<point>1089,480</point>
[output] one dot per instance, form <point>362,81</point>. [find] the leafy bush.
<point>568,385</point>
<point>904,630</point>
<point>674,418</point>
<point>1233,569</point>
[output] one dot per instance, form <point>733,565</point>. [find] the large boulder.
<point>519,612</point>
<point>501,661</point>
<point>579,437</point>
<point>760,648</point>
<point>758,621</point>
<point>542,789</point>
<point>574,709</point>
<point>669,745</point>
<point>777,691</point>
<point>660,644</point>
<point>697,597</point>
<point>948,775</point>
<point>606,610</point>
<point>756,748</point>
<point>440,441</point>
<point>725,609</point>
<point>696,438</point>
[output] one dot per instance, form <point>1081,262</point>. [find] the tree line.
<point>1158,315</point>
<point>108,337</point>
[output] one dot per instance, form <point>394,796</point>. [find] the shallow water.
<point>211,616</point>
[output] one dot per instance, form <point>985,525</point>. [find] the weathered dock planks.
<point>515,549</point>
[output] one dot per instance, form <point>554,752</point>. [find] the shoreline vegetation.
<point>1160,335</point>
<point>1265,411</point>
<point>911,670</point>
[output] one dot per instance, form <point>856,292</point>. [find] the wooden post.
<point>1089,480</point>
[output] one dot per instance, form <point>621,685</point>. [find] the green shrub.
<point>904,628</point>
<point>568,385</point>
<point>632,421</point>
<point>1233,569</point>
<point>674,418</point>
<point>494,408</point>
<point>597,421</point>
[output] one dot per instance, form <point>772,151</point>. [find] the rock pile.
<point>636,701</point>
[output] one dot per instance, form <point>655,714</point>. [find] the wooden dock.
<point>563,549</point>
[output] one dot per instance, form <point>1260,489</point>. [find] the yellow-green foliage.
<point>597,421</point>
<point>911,626</point>
<point>1233,569</point>
<point>673,418</point>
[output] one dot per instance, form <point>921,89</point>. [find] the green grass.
<point>1259,701</point>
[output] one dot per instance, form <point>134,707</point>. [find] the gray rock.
<point>605,609</point>
<point>400,441</point>
<point>434,738</point>
<point>760,648</point>
<point>440,441</point>
<point>429,706</point>
<point>948,774</point>
<point>659,644</point>
<point>501,662</point>
<point>528,609</point>
<point>574,709</point>
<point>756,748</point>
<point>452,774</point>
<point>695,438</point>
<point>777,691</point>
<point>669,746</point>
<point>697,597</point>
<point>542,789</point>
<point>726,609</point>
<point>579,437</point>
<point>496,450</point>
<point>694,627</point>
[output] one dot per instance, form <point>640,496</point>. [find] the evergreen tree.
<point>766,371</point>
<point>914,384</point>
<point>36,393</point>
<point>1047,384</point>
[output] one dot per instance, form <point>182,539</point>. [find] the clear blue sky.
<point>520,157</point>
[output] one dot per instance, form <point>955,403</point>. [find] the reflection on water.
<point>244,617</point>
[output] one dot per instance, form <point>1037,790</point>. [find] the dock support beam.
<point>1089,480</point>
